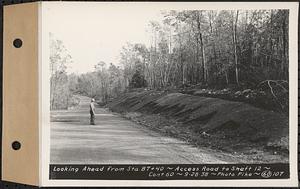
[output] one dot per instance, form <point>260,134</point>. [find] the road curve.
<point>116,140</point>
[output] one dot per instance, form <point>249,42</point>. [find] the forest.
<point>236,49</point>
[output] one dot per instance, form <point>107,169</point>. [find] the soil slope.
<point>223,124</point>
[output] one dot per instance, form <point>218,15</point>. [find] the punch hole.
<point>16,145</point>
<point>17,43</point>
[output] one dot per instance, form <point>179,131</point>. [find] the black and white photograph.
<point>144,85</point>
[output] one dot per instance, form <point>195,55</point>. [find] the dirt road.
<point>116,140</point>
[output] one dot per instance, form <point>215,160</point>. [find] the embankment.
<point>226,125</point>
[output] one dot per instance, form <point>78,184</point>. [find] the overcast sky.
<point>96,32</point>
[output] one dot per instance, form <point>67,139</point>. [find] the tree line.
<point>228,48</point>
<point>212,48</point>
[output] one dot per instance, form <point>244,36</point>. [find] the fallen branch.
<point>275,95</point>
<point>277,82</point>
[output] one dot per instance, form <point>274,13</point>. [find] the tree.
<point>59,62</point>
<point>138,80</point>
<point>234,38</point>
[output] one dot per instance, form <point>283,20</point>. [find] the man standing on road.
<point>92,112</point>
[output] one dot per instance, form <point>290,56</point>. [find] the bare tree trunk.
<point>284,41</point>
<point>234,28</point>
<point>213,38</point>
<point>197,55</point>
<point>226,77</point>
<point>202,48</point>
<point>180,60</point>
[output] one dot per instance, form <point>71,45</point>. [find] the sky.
<point>96,32</point>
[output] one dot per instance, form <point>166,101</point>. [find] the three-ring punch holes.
<point>16,145</point>
<point>18,43</point>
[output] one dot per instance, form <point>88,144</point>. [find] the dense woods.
<point>214,49</point>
